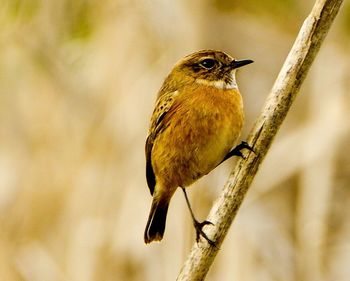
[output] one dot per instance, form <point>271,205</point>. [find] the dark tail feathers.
<point>156,221</point>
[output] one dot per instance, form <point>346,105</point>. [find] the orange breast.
<point>203,126</point>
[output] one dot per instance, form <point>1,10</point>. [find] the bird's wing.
<point>158,124</point>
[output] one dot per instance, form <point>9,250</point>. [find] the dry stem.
<point>282,95</point>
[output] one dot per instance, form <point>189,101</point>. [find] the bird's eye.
<point>207,63</point>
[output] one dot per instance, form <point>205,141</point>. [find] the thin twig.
<point>281,97</point>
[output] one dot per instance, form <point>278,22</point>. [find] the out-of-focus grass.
<point>78,80</point>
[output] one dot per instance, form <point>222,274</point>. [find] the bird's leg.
<point>198,225</point>
<point>237,151</point>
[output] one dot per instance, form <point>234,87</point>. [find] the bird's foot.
<point>237,150</point>
<point>199,231</point>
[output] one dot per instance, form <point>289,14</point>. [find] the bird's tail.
<point>156,221</point>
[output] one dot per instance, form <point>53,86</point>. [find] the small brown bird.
<point>197,120</point>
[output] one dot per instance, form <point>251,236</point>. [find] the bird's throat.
<point>221,84</point>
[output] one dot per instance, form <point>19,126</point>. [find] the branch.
<point>283,93</point>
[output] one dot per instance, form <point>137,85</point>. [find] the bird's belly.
<point>195,142</point>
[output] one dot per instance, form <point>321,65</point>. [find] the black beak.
<point>240,63</point>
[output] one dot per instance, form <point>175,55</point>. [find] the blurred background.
<point>78,81</point>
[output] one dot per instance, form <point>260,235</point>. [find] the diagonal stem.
<point>282,95</point>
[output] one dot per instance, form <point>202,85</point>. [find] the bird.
<point>196,123</point>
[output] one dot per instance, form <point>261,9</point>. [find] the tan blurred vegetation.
<point>78,81</point>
